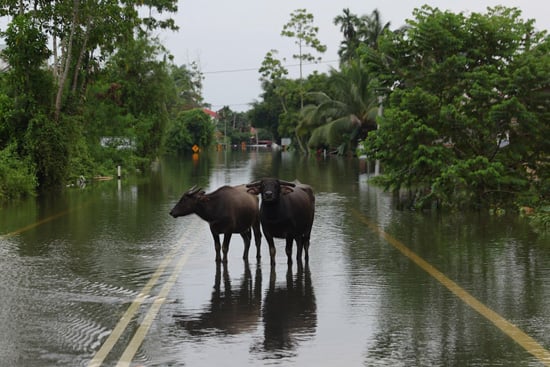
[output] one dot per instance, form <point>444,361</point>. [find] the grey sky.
<point>229,39</point>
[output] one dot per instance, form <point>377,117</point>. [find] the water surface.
<point>73,264</point>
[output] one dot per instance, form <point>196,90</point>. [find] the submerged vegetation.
<point>454,107</point>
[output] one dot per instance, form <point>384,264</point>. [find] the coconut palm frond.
<point>340,130</point>
<point>318,97</point>
<point>346,115</point>
<point>313,116</point>
<point>333,133</point>
<point>319,138</point>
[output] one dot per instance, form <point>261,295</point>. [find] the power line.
<point>257,69</point>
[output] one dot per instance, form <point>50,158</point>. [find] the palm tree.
<point>348,26</point>
<point>339,122</point>
<point>358,30</point>
<point>371,28</point>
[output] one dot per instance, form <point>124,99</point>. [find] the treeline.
<point>455,107</point>
<point>86,87</point>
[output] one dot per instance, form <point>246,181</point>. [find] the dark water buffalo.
<point>228,210</point>
<point>286,211</point>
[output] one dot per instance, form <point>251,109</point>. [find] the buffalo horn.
<point>193,190</point>
<point>286,183</point>
<point>254,184</point>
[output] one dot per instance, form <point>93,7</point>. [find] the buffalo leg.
<point>217,246</point>
<point>246,235</point>
<point>272,251</point>
<point>306,249</point>
<point>289,249</point>
<point>225,247</point>
<point>299,248</point>
<point>257,238</point>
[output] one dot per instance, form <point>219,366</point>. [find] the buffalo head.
<point>186,205</point>
<point>270,188</point>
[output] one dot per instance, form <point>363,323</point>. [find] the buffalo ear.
<point>202,197</point>
<point>286,190</point>
<point>254,190</point>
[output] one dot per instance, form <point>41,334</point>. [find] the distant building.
<point>211,113</point>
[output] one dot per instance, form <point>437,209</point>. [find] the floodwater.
<point>102,275</point>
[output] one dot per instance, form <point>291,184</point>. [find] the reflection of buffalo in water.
<point>231,311</point>
<point>289,313</point>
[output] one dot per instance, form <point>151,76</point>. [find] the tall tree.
<point>78,29</point>
<point>346,116</point>
<point>273,73</point>
<point>349,24</point>
<point>278,96</point>
<point>372,28</point>
<point>363,30</point>
<point>459,112</point>
<point>188,84</point>
<point>301,28</point>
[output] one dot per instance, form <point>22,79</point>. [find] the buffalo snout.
<point>268,195</point>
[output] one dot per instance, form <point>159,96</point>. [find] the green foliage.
<point>190,128</point>
<point>110,80</point>
<point>283,98</point>
<point>233,125</point>
<point>357,31</point>
<point>7,129</point>
<point>200,127</point>
<point>272,69</point>
<point>265,115</point>
<point>280,98</point>
<point>17,178</point>
<point>188,86</point>
<point>460,124</point>
<point>48,147</point>
<point>29,87</point>
<point>26,48</point>
<point>541,219</point>
<point>301,28</point>
<point>340,120</point>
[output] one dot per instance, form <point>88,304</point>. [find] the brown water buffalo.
<point>228,210</point>
<point>286,211</point>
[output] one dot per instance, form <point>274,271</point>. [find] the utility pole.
<point>380,111</point>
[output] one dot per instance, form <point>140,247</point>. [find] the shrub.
<point>17,178</point>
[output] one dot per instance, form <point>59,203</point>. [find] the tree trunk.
<point>81,56</point>
<point>67,62</point>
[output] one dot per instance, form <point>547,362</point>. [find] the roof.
<point>211,113</point>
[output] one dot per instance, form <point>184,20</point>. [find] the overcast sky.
<point>229,39</point>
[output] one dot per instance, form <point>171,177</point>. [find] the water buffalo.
<point>286,211</point>
<point>228,210</point>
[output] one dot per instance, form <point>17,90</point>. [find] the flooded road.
<point>105,276</point>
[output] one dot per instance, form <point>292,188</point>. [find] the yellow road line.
<point>42,221</point>
<point>520,337</point>
<point>130,312</point>
<point>141,332</point>
<point>36,224</point>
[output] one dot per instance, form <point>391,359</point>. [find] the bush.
<point>190,128</point>
<point>17,178</point>
<point>49,147</point>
